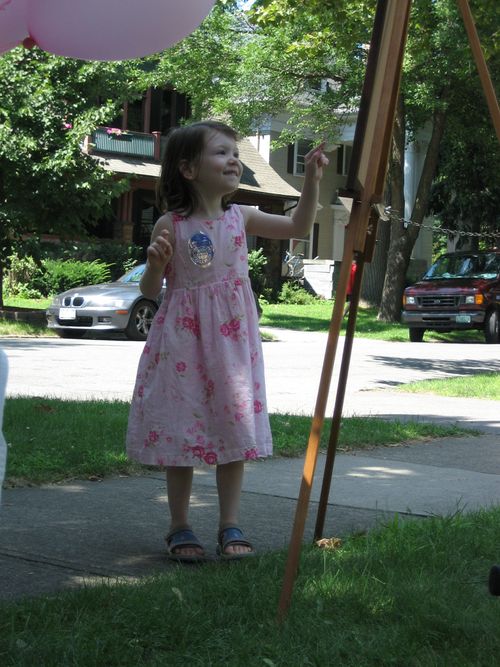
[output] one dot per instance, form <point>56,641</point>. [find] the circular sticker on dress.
<point>201,249</point>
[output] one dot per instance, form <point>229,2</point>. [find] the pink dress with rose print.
<point>200,393</point>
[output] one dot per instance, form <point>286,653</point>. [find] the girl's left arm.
<point>300,222</point>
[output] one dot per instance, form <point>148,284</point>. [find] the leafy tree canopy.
<point>278,56</point>
<point>47,106</point>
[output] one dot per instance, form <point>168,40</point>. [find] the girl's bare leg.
<point>229,483</point>
<point>179,484</point>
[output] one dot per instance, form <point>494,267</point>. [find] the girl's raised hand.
<point>314,162</point>
<point>159,253</point>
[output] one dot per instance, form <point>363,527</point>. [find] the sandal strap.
<point>182,537</point>
<point>232,535</point>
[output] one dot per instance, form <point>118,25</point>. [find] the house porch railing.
<point>112,140</point>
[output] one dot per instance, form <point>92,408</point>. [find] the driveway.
<point>105,369</point>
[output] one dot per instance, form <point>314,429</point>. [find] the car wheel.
<point>491,334</point>
<point>71,333</point>
<point>416,335</point>
<point>140,320</point>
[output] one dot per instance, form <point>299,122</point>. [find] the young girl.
<point>200,393</point>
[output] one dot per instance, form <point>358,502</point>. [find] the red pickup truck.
<point>460,291</point>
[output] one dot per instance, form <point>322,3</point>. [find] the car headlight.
<point>476,299</point>
<point>106,302</point>
<point>410,300</point>
<point>56,302</point>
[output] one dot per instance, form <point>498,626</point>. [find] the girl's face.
<point>219,168</point>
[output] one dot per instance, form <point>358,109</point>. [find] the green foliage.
<point>60,276</point>
<point>256,264</point>
<point>48,105</point>
<point>30,280</point>
<point>120,257</point>
<point>24,279</point>
<point>270,61</point>
<point>292,293</point>
<point>38,270</point>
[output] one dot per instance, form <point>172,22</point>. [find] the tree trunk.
<point>374,275</point>
<point>403,239</point>
<point>374,272</point>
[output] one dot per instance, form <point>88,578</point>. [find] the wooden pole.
<point>361,260</point>
<point>365,186</point>
<point>314,440</point>
<point>339,401</point>
<point>482,68</point>
<point>365,182</point>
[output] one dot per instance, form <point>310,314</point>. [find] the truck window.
<point>478,265</point>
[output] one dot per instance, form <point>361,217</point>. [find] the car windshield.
<point>473,265</point>
<point>133,276</point>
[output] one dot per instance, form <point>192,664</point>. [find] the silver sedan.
<point>118,306</point>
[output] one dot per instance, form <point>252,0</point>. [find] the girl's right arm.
<point>159,254</point>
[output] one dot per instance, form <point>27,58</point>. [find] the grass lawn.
<point>411,593</point>
<point>35,304</point>
<point>480,385</point>
<point>52,440</point>
<point>311,317</point>
<point>21,329</point>
<point>317,317</point>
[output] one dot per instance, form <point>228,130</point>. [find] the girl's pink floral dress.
<point>200,392</point>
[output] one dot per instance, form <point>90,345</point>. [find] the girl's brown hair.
<point>185,144</point>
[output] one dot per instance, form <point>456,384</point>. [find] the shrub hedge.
<point>44,269</point>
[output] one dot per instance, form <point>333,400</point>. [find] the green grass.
<point>18,329</point>
<point>291,432</point>
<point>317,317</point>
<point>411,593</point>
<point>482,385</point>
<point>311,317</point>
<point>21,329</point>
<point>53,440</point>
<point>18,302</point>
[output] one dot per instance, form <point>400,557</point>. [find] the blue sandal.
<point>232,536</point>
<point>180,538</point>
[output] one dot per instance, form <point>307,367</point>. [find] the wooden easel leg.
<point>482,67</point>
<point>316,428</point>
<point>366,178</point>
<point>361,259</point>
<point>339,400</point>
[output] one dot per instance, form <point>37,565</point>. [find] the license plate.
<point>67,313</point>
<point>463,319</point>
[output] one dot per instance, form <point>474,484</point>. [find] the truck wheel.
<point>491,327</point>
<point>140,320</point>
<point>416,335</point>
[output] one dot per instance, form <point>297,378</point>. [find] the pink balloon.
<point>13,24</point>
<point>100,29</point>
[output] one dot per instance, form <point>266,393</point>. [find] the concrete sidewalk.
<point>64,536</point>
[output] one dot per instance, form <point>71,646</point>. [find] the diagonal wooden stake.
<point>315,436</point>
<point>482,68</point>
<point>361,259</point>
<point>365,186</point>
